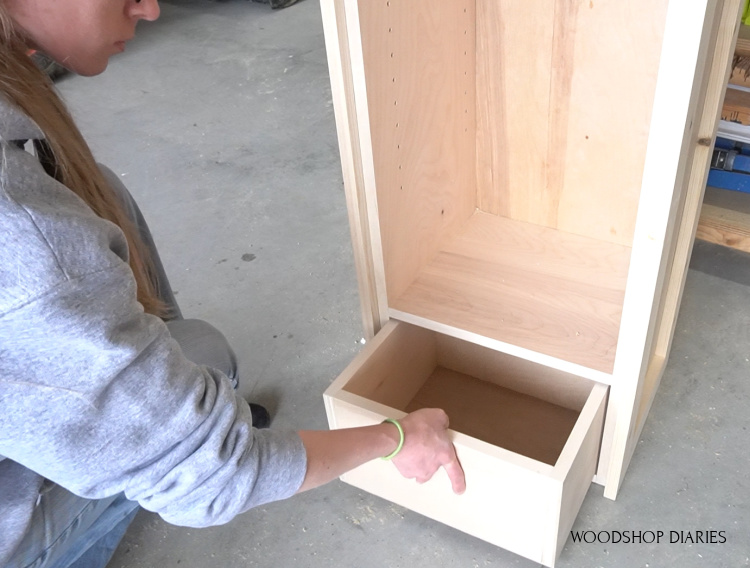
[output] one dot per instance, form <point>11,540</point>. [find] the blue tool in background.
<point>730,165</point>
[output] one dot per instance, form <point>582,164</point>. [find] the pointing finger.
<point>456,474</point>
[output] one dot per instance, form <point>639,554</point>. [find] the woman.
<point>108,398</point>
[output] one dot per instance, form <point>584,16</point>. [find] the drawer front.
<point>511,500</point>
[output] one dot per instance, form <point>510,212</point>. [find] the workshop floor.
<point>219,119</point>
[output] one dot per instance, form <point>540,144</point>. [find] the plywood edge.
<point>360,359</point>
<point>510,349</point>
<point>370,412</point>
<point>588,421</point>
<point>724,227</point>
<point>348,91</point>
<point>578,463</point>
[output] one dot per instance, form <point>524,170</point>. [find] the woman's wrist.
<point>400,439</point>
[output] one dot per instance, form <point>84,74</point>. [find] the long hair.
<point>29,89</point>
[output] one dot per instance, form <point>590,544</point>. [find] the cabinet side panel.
<point>691,191</point>
<point>687,55</point>
<point>419,61</point>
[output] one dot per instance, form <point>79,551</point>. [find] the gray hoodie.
<point>94,394</point>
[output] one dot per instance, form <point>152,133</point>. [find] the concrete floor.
<point>219,119</point>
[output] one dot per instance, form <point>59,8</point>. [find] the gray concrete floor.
<point>219,119</point>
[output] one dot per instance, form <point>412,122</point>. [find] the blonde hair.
<point>29,89</point>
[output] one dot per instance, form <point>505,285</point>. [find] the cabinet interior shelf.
<point>538,288</point>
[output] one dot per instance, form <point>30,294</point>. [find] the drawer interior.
<point>499,399</point>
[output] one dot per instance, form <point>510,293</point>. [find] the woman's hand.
<point>427,448</point>
<point>331,453</point>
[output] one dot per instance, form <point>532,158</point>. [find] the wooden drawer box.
<point>527,437</point>
<point>524,176</point>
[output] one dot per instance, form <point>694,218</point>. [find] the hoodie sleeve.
<point>96,395</point>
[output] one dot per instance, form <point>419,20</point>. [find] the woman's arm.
<point>426,449</point>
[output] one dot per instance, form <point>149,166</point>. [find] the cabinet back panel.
<point>420,59</point>
<point>564,97</point>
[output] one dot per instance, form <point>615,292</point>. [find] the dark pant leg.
<point>163,289</point>
<point>201,342</point>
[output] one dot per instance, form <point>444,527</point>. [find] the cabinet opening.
<point>499,399</point>
<point>508,142</point>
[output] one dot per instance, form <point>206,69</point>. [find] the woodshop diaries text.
<point>649,537</point>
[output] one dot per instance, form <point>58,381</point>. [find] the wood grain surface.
<point>548,291</point>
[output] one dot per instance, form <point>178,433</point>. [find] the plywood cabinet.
<point>524,179</point>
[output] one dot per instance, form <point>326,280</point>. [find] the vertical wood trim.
<point>689,30</point>
<point>702,149</point>
<point>718,67</point>
<point>348,91</point>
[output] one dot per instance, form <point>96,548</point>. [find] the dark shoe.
<point>261,416</point>
<point>275,4</point>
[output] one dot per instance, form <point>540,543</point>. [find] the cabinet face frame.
<point>695,59</point>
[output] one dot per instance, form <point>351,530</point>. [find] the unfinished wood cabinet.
<point>524,179</point>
